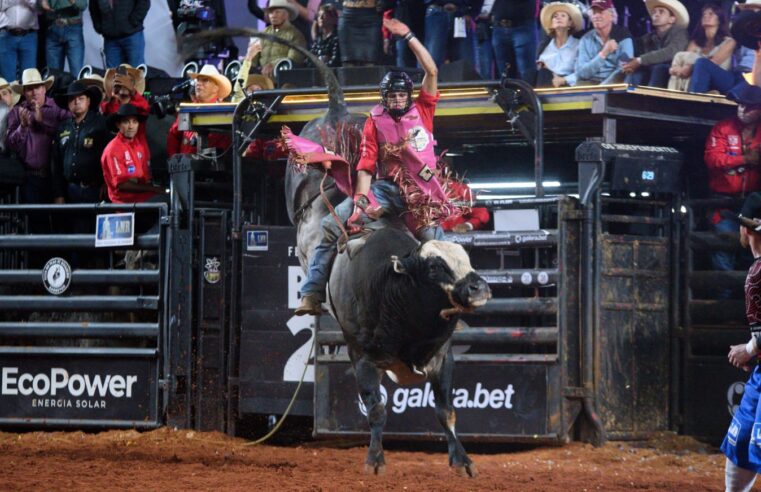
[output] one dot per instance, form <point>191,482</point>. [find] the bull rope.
<point>336,218</point>
<point>293,398</point>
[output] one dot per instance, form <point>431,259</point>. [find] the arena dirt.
<point>185,460</point>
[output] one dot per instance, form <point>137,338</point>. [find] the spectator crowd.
<point>88,142</point>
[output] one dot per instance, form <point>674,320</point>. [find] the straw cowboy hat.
<point>746,25</point>
<point>283,4</point>
<point>31,76</point>
<point>94,80</point>
<point>16,96</point>
<point>572,10</point>
<point>262,81</point>
<point>673,6</point>
<point>210,71</point>
<point>137,76</point>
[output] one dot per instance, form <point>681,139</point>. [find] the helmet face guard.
<point>396,82</point>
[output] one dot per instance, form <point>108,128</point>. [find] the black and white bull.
<point>398,302</point>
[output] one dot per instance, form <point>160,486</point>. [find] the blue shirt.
<point>562,61</point>
<point>589,66</point>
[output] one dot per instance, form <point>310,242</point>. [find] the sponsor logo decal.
<point>211,271</point>
<point>257,240</point>
<point>56,276</point>
<point>734,396</point>
<point>61,389</point>
<point>479,398</point>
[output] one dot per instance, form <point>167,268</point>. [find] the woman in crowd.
<point>8,99</point>
<point>709,39</point>
<point>558,51</point>
<point>325,37</point>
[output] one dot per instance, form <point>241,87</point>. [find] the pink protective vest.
<point>416,157</point>
<point>419,150</point>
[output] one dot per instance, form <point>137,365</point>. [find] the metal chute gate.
<point>82,331</point>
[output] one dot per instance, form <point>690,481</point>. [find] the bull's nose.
<point>479,290</point>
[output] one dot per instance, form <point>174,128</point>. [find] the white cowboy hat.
<point>673,6</point>
<point>572,10</point>
<point>31,76</point>
<point>137,75</point>
<point>210,71</point>
<point>283,4</point>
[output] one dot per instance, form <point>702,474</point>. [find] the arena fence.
<point>713,318</point>
<point>82,329</point>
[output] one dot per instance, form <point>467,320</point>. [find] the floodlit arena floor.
<point>184,460</point>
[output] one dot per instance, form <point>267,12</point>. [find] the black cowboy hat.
<point>751,211</point>
<point>125,111</point>
<point>746,28</point>
<point>746,94</point>
<point>77,88</point>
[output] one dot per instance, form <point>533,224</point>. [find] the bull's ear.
<point>398,265</point>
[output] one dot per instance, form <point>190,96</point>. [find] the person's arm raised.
<point>430,80</point>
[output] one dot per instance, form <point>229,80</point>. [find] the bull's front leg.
<point>368,382</point>
<point>441,383</point>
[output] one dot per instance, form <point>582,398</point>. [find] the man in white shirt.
<point>18,37</point>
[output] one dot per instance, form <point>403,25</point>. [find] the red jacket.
<point>141,103</point>
<point>728,173</point>
<point>125,160</point>
<point>478,216</point>
<point>185,142</point>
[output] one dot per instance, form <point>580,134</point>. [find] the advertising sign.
<point>488,399</point>
<point>80,387</point>
<point>115,230</point>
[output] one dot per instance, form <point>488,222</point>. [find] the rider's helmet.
<point>396,81</point>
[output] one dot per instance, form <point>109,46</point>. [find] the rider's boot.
<point>310,304</point>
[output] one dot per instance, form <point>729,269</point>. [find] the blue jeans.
<point>725,260</point>
<point>516,46</point>
<point>404,56</point>
<point>652,76</point>
<point>439,37</point>
<point>387,194</point>
<point>17,53</point>
<point>485,59</point>
<point>65,40</point>
<point>129,49</point>
<point>706,76</point>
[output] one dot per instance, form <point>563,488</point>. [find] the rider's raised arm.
<point>430,80</point>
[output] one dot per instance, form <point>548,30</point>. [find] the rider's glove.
<point>355,222</point>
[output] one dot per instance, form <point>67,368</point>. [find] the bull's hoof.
<point>468,470</point>
<point>375,468</point>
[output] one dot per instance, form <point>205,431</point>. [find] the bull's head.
<point>448,265</point>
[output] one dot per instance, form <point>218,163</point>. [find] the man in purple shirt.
<point>32,125</point>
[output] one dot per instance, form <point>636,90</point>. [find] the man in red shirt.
<point>125,160</point>
<point>125,85</point>
<point>210,87</point>
<point>396,149</point>
<point>732,155</point>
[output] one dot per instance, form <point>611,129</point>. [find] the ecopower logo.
<point>57,388</point>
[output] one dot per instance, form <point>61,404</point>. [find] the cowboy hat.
<point>261,80</point>
<point>125,111</point>
<point>745,94</point>
<point>31,76</point>
<point>94,80</point>
<point>674,6</point>
<point>283,4</point>
<point>5,85</point>
<point>746,25</point>
<point>211,72</point>
<point>137,76</point>
<point>572,10</point>
<point>77,88</point>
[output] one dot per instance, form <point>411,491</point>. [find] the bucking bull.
<point>397,301</point>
